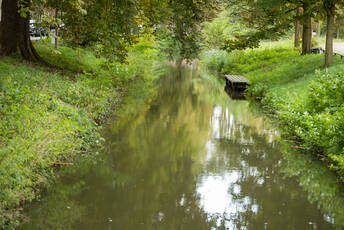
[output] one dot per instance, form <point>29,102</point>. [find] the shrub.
<point>318,117</point>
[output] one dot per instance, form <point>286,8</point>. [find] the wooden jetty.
<point>236,86</point>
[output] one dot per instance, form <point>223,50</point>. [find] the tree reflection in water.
<point>191,159</point>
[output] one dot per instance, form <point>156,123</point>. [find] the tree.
<point>14,30</point>
<point>114,24</point>
<point>309,9</point>
<point>271,19</point>
<point>298,28</point>
<point>306,27</point>
<point>330,8</point>
<point>183,23</point>
<point>266,20</point>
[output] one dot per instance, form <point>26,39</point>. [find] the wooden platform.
<point>236,86</point>
<point>237,79</point>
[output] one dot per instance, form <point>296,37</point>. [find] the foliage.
<point>266,20</point>
<point>181,28</point>
<point>317,118</point>
<point>223,27</point>
<point>117,25</point>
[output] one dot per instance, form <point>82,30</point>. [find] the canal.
<point>190,159</point>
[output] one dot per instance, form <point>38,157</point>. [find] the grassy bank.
<point>306,98</point>
<point>50,116</point>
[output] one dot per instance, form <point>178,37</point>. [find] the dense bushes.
<point>317,118</point>
<point>50,116</point>
<point>308,99</point>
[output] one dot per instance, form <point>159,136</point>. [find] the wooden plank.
<point>237,79</point>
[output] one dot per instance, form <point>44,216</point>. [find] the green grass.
<point>49,116</point>
<point>307,98</point>
<point>74,59</point>
<point>45,118</point>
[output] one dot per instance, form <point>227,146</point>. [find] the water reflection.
<point>242,170</point>
<point>191,159</point>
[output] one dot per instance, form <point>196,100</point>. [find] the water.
<point>191,159</point>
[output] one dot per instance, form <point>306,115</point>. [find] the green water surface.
<point>191,159</point>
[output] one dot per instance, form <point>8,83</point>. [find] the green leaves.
<point>24,8</point>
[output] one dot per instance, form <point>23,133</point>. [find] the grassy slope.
<point>49,116</point>
<point>288,84</point>
<point>44,118</point>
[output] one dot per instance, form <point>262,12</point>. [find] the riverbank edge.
<point>294,142</point>
<point>281,82</point>
<point>85,115</point>
<point>275,114</point>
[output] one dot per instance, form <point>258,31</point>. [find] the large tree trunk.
<point>297,29</point>
<point>14,30</point>
<point>338,32</point>
<point>330,12</point>
<point>307,31</point>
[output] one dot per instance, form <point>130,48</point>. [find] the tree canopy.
<point>112,25</point>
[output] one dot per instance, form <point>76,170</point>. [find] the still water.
<point>191,159</point>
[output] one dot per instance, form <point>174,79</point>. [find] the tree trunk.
<point>338,31</point>
<point>297,29</point>
<point>56,30</point>
<point>179,65</point>
<point>14,30</point>
<point>307,31</point>
<point>330,12</point>
<point>319,29</point>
